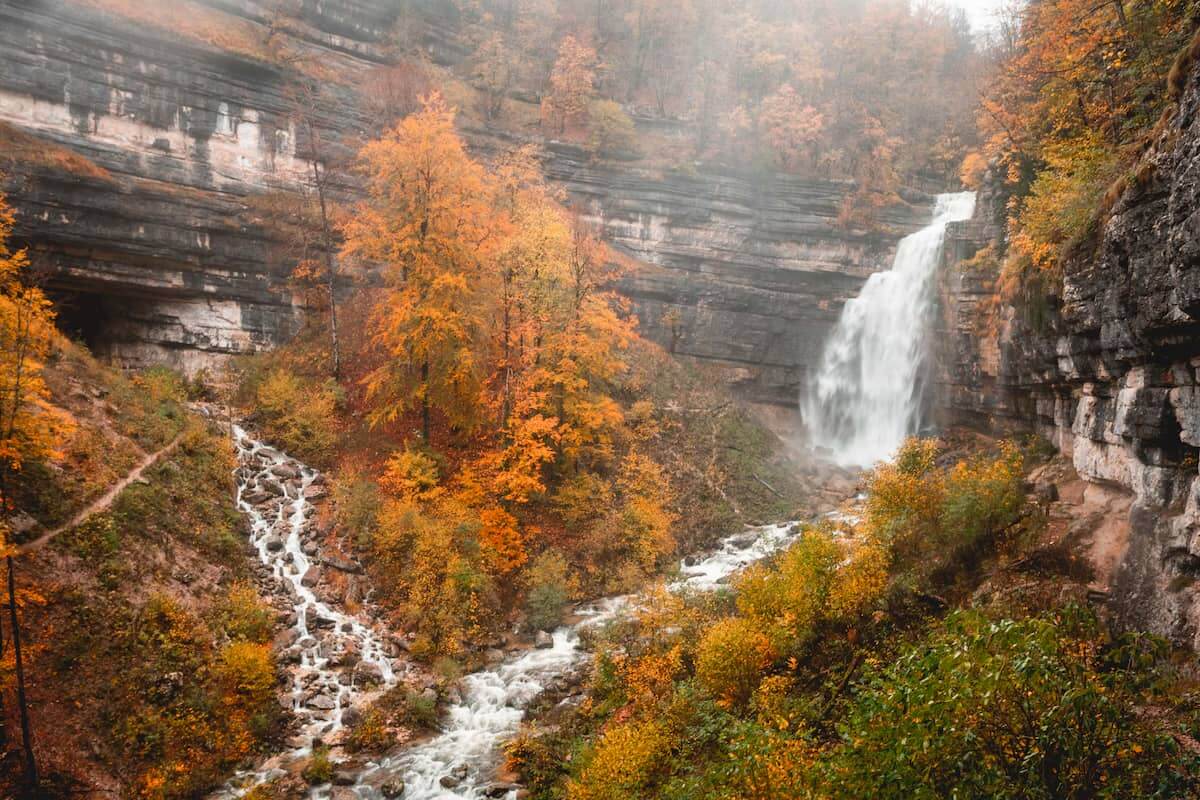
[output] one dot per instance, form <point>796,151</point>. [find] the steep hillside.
<point>145,639</point>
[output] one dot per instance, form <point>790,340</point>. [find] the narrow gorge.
<point>599,399</point>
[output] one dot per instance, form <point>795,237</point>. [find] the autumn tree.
<point>429,222</point>
<point>790,127</point>
<point>495,69</point>
<point>30,427</point>
<point>318,266</point>
<point>1076,86</point>
<point>395,91</point>
<point>572,84</point>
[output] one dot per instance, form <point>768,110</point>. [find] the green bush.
<point>319,768</point>
<point>419,710</point>
<point>1001,710</point>
<point>550,587</point>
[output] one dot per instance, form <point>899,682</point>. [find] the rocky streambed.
<point>336,661</point>
<point>333,660</point>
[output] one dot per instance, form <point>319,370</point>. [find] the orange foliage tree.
<point>572,84</point>
<point>429,221</point>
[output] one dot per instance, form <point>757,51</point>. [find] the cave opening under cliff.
<point>88,317</point>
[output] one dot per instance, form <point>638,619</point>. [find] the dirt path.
<point>103,502</point>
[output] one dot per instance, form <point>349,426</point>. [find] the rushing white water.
<point>334,654</point>
<point>461,761</point>
<point>494,700</point>
<point>869,389</point>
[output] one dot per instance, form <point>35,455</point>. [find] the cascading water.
<point>869,389</point>
<point>460,763</point>
<point>335,657</point>
<point>333,650</point>
<point>274,492</point>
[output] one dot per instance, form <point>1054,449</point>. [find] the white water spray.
<point>868,392</point>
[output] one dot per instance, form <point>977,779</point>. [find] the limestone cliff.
<point>1109,374</point>
<point>165,260</point>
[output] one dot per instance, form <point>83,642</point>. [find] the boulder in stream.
<point>392,789</point>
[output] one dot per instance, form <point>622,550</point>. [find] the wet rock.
<point>311,577</point>
<point>392,789</point>
<point>351,716</point>
<point>743,540</point>
<point>345,565</point>
<point>314,492</point>
<point>285,471</point>
<point>543,641</point>
<point>322,702</point>
<point>274,544</point>
<point>368,673</point>
<point>324,622</point>
<point>285,639</point>
<point>344,777</point>
<point>449,781</point>
<point>493,656</point>
<point>500,789</point>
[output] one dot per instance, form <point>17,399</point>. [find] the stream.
<point>338,660</point>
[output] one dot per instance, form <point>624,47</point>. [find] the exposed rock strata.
<point>166,263</point>
<point>1110,376</point>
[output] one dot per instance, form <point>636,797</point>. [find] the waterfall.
<point>868,392</point>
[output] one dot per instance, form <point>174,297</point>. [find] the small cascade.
<point>274,491</point>
<point>869,390</point>
<point>335,659</point>
<point>461,762</point>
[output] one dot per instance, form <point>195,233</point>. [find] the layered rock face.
<point>1110,374</point>
<point>747,273</point>
<point>162,261</point>
<point>166,260</point>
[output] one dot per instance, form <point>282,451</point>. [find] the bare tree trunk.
<point>327,246</point>
<point>425,400</point>
<point>31,774</point>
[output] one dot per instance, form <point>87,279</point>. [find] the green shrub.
<point>419,710</point>
<point>319,768</point>
<point>550,588</point>
<point>1001,710</point>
